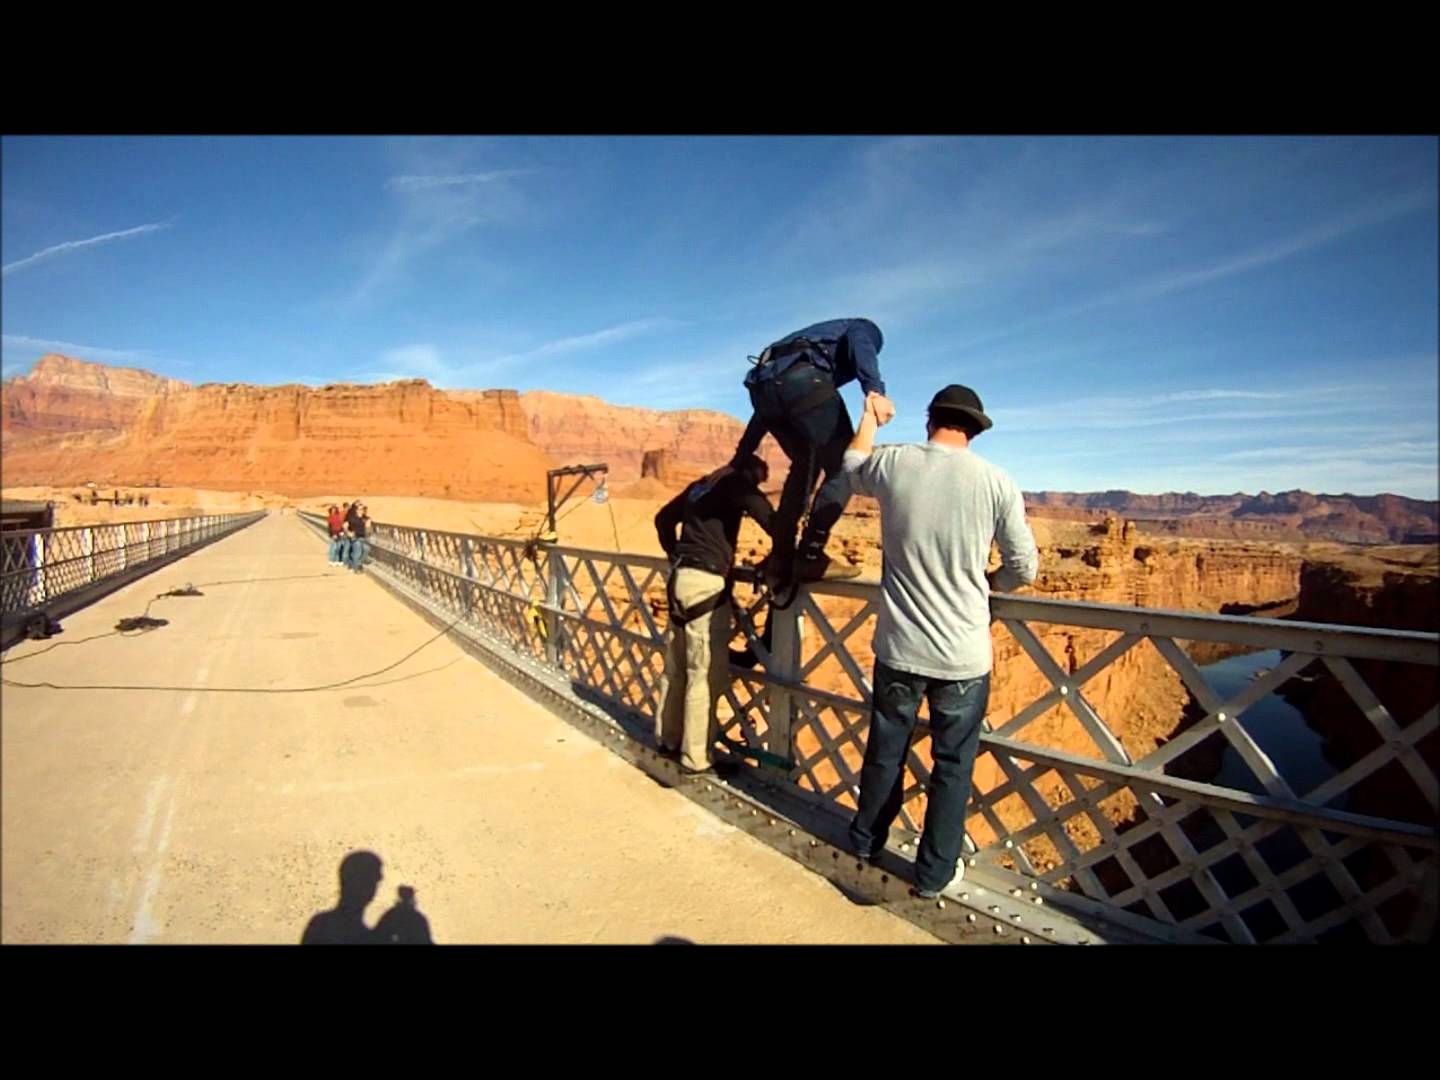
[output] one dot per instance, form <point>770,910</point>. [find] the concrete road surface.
<point>187,812</point>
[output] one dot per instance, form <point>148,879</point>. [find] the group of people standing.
<point>349,535</point>
<point>941,507</point>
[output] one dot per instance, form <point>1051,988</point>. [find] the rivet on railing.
<point>1009,844</point>
<point>1036,900</point>
<point>994,908</point>
<point>1220,717</point>
<point>999,929</point>
<point>964,896</point>
<point>970,917</point>
<point>1064,690</point>
<point>1024,941</point>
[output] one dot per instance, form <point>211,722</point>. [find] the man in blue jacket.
<point>794,389</point>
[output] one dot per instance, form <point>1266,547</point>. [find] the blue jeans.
<point>358,547</point>
<point>814,438</point>
<point>956,711</point>
<point>337,549</point>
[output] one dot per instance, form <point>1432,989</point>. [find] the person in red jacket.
<point>336,524</point>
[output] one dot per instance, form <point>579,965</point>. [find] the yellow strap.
<point>537,620</point>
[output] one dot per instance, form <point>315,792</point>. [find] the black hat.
<point>961,399</point>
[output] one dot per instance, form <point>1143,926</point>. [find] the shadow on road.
<point>360,875</point>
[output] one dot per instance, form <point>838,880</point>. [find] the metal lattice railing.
<point>38,566</point>
<point>1133,837</point>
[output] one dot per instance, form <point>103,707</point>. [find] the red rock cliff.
<point>61,394</point>
<point>398,438</point>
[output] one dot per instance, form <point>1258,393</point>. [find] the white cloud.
<point>1244,262</point>
<point>428,361</point>
<point>423,183</point>
<point>1155,410</point>
<point>608,336</point>
<point>1331,454</point>
<point>437,207</point>
<point>39,346</point>
<point>75,245</point>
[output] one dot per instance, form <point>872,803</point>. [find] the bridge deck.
<point>214,803</point>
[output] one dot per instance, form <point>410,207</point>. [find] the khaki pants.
<point>697,662</point>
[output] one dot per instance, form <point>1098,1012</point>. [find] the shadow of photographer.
<point>360,875</point>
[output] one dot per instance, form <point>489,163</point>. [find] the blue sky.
<point>1158,314</point>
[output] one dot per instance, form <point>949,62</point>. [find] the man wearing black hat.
<point>941,506</point>
<point>794,389</point>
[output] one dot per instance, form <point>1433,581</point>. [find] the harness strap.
<point>680,615</point>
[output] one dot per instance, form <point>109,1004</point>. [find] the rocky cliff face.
<point>1288,515</point>
<point>584,430</point>
<point>399,438</point>
<point>61,394</point>
<point>1393,590</point>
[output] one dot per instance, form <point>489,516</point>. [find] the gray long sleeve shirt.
<point>940,508</point>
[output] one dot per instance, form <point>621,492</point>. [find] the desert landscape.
<point>475,461</point>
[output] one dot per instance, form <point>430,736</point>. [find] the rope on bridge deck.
<point>229,689</point>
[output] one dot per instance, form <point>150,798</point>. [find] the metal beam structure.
<point>553,478</point>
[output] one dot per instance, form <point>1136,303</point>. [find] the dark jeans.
<point>814,440</point>
<point>956,711</point>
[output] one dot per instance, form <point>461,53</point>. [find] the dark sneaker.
<point>931,894</point>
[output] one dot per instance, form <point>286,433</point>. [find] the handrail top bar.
<point>654,562</point>
<point>1009,600</point>
<point>1362,641</point>
<point>10,533</point>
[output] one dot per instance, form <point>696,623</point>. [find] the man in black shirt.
<point>357,527</point>
<point>707,513</point>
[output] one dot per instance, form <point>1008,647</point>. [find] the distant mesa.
<point>69,421</point>
<point>1287,515</point>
